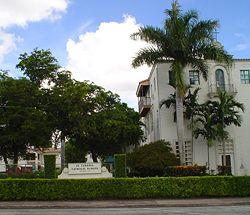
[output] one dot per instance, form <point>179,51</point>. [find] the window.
<point>228,160</point>
<point>177,150</point>
<point>245,76</point>
<point>220,80</point>
<point>187,152</point>
<point>194,77</point>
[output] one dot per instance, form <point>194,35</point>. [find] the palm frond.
<point>217,53</point>
<point>149,56</point>
<point>149,34</point>
<point>175,10</point>
<point>203,31</point>
<point>171,101</point>
<point>201,66</point>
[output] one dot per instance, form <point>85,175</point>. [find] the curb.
<point>124,203</point>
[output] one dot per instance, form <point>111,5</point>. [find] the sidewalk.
<point>126,203</point>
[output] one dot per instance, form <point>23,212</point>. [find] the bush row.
<point>50,166</point>
<point>185,171</point>
<point>29,175</point>
<point>124,188</point>
<point>120,165</point>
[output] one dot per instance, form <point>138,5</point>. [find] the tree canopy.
<point>49,106</point>
<point>23,120</point>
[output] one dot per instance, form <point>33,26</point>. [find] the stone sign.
<point>84,168</point>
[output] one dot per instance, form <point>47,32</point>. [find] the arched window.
<point>220,80</point>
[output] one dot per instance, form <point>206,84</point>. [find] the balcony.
<point>214,89</point>
<point>144,105</point>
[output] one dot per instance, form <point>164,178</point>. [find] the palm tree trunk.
<point>223,144</point>
<point>192,137</point>
<point>224,152</point>
<point>180,126</point>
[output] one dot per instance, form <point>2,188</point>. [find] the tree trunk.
<point>62,151</point>
<point>15,155</point>
<point>223,143</point>
<point>208,158</point>
<point>180,126</point>
<point>224,152</point>
<point>94,156</point>
<point>5,160</point>
<point>192,137</point>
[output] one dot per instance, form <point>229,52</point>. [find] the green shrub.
<point>3,175</point>
<point>224,170</point>
<point>178,171</point>
<point>124,188</point>
<point>49,166</point>
<point>120,165</point>
<point>151,159</point>
<point>36,174</point>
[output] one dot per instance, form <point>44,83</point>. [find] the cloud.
<point>20,13</point>
<point>104,57</point>
<point>242,46</point>
<point>245,45</point>
<point>17,12</point>
<point>7,43</point>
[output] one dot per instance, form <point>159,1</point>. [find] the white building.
<point>36,159</point>
<point>160,124</point>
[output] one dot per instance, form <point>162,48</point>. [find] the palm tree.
<point>227,109</point>
<point>190,104</point>
<point>192,108</point>
<point>183,40</point>
<point>207,126</point>
<point>170,102</point>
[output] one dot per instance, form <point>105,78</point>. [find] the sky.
<point>91,38</point>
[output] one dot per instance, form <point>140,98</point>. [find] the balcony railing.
<point>144,105</point>
<point>214,89</point>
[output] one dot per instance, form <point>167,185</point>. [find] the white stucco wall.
<point>164,127</point>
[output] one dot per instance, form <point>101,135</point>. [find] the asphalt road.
<point>211,210</point>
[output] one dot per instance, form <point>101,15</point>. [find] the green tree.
<point>190,104</point>
<point>227,110</point>
<point>81,112</point>
<point>75,153</point>
<point>43,70</point>
<point>206,126</point>
<point>170,102</point>
<point>151,159</point>
<point>109,127</point>
<point>24,123</point>
<point>39,66</point>
<point>192,108</point>
<point>184,40</point>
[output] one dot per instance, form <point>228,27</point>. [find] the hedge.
<point>124,188</point>
<point>120,165</point>
<point>178,171</point>
<point>49,166</point>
